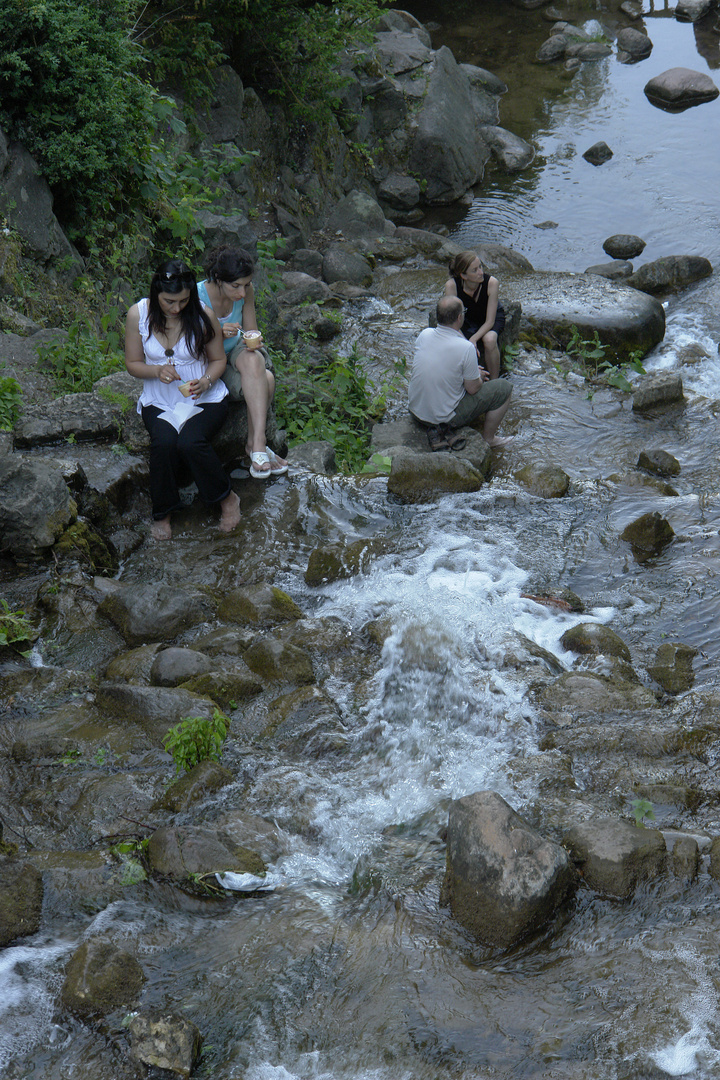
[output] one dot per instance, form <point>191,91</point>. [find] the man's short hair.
<point>448,310</point>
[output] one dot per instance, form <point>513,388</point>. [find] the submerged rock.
<point>614,856</point>
<point>260,605</point>
<point>579,693</point>
<point>165,1041</point>
<point>99,978</point>
<point>686,858</point>
<point>598,153</point>
<point>594,639</point>
<point>503,880</point>
<point>190,850</point>
<point>673,667</point>
<point>546,481</point>
<point>152,612</point>
<point>648,535</point>
<point>306,722</point>
<point>658,462</point>
<point>653,391</point>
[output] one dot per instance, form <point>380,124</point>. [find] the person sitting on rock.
<point>448,388</point>
<point>174,345</point>
<point>484,315</point>
<point>229,292</point>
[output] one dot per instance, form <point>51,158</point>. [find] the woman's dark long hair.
<point>174,277</point>
<point>227,263</point>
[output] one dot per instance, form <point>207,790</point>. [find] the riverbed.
<point>349,969</point>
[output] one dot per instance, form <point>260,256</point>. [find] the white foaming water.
<point>27,997</point>
<point>693,1052</point>
<point>441,718</point>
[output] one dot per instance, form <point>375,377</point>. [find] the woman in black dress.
<point>484,316</point>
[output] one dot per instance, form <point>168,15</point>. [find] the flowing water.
<point>349,970</point>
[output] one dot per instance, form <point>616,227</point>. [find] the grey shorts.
<point>490,396</point>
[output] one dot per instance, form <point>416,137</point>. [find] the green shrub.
<point>10,402</point>
<point>89,352</point>
<point>196,739</point>
<point>14,626</point>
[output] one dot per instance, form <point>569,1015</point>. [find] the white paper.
<point>180,415</point>
<point>248,882</point>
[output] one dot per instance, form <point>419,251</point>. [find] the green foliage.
<point>90,351</point>
<point>196,739</point>
<point>10,402</point>
<point>590,352</point>
<point>642,808</point>
<point>133,872</point>
<point>378,463</point>
<point>336,403</point>
<point>131,854</point>
<point>70,91</point>
<point>14,626</point>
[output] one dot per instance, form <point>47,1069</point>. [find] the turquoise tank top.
<point>235,316</point>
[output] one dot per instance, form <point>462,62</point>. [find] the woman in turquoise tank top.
<point>229,292</point>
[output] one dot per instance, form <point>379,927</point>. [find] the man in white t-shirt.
<point>447,387</point>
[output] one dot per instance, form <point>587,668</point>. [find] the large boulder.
<point>670,274</point>
<point>400,51</point>
<point>553,303</point>
<point>446,148</point>
<point>680,88</point>
<point>614,856</point>
<point>99,978</point>
<point>503,880</point>
<point>35,505</point>
<point>21,897</point>
<point>357,215</point>
<point>422,477</point>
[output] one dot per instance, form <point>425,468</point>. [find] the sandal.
<point>259,457</point>
<point>454,441</point>
<point>437,440</point>
<point>275,467</point>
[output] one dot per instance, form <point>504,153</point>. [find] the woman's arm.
<point>450,288</point>
<point>249,315</point>
<point>135,361</point>
<point>215,356</point>
<point>491,312</point>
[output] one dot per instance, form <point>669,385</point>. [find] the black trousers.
<point>170,450</point>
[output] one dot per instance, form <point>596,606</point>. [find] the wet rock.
<point>327,634</point>
<point>552,49</point>
<point>305,722</point>
<point>35,505</point>
<point>648,535</point>
<point>133,666</point>
<point>552,303</point>
<point>673,667</point>
<point>598,153</point>
<point>341,263</point>
<point>614,856</point>
<point>588,51</point>
<point>234,682</point>
<point>153,612</point>
<point>503,880</point>
<point>422,477</point>
<point>579,693</point>
<point>82,543</point>
<point>260,605</point>
<point>546,481</point>
<point>632,8</point>
<point>693,10</point>
<point>658,462</point>
<point>181,852</point>
<point>594,639</point>
<point>653,391</point>
<point>78,881</point>
<point>205,779</point>
<point>476,451</point>
<point>153,708</point>
<point>357,215</point>
<point>165,1041</point>
<point>99,978</point>
<point>616,270</point>
<point>680,88</point>
<point>404,432</point>
<point>623,246</point>
<point>670,274</point>
<point>226,641</point>
<point>510,151</point>
<point>275,661</point>
<point>21,898</point>
<point>633,45</point>
<point>316,456</point>
<point>714,869</point>
<point>686,858</point>
<point>331,562</point>
<point>174,666</point>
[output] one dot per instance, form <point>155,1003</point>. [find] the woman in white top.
<point>229,292</point>
<point>172,341</point>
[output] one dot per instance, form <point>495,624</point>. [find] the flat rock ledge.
<point>503,879</point>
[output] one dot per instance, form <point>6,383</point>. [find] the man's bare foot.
<point>497,441</point>
<point>160,530</point>
<point>229,513</point>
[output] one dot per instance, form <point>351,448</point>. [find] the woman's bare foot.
<point>160,530</point>
<point>496,441</point>
<point>229,513</point>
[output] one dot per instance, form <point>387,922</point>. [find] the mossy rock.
<point>80,539</point>
<point>546,481</point>
<point>594,639</point>
<point>184,852</point>
<point>335,561</point>
<point>648,535</point>
<point>274,661</point>
<point>21,896</point>
<point>227,686</point>
<point>99,978</point>
<point>673,667</point>
<point>258,605</point>
<point>205,779</point>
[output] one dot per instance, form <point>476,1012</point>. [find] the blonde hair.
<point>459,264</point>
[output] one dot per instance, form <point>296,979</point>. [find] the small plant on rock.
<point>642,808</point>
<point>14,627</point>
<point>10,402</point>
<point>196,739</point>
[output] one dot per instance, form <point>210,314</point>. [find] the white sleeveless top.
<point>167,395</point>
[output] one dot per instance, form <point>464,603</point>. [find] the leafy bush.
<point>14,626</point>
<point>336,403</point>
<point>86,355</point>
<point>591,354</point>
<point>196,739</point>
<point>10,402</point>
